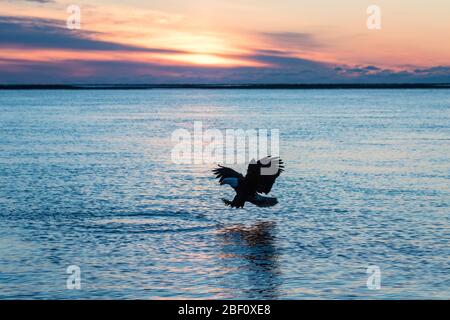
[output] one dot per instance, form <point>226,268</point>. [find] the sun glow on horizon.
<point>212,60</point>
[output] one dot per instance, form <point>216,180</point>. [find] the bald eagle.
<point>260,177</point>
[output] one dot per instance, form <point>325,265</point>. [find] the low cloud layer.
<point>291,40</point>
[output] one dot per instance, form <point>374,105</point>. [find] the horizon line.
<point>226,86</point>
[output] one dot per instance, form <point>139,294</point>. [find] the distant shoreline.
<point>221,86</point>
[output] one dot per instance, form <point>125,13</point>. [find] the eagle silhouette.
<point>260,177</point>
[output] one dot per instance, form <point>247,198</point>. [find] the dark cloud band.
<point>52,34</point>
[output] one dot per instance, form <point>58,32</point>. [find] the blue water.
<point>87,179</point>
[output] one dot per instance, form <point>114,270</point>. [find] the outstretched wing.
<point>224,172</point>
<point>265,172</point>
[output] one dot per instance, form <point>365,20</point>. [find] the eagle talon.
<point>227,202</point>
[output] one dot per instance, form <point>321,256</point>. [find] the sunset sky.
<point>224,41</point>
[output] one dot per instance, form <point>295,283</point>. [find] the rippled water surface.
<point>87,180</point>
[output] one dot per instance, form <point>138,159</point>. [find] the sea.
<point>94,206</point>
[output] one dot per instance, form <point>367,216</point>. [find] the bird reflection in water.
<point>251,257</point>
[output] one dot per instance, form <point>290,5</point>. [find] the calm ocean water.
<point>87,180</point>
